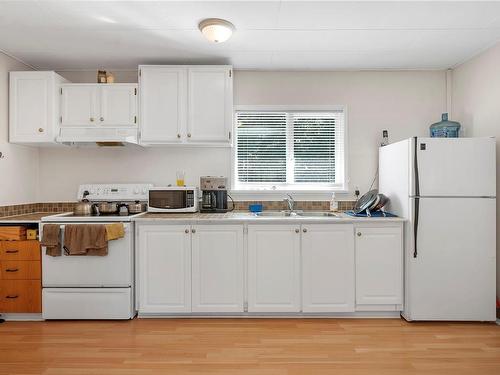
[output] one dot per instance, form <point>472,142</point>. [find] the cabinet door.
<point>163,98</point>
<point>118,105</point>
<point>31,107</point>
<point>217,252</point>
<point>327,268</point>
<point>273,268</point>
<point>210,104</point>
<point>164,257</point>
<point>79,105</point>
<point>379,262</point>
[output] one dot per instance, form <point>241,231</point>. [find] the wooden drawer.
<point>20,250</point>
<point>12,233</point>
<point>20,269</point>
<point>20,296</point>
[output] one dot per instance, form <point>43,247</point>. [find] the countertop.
<point>26,218</point>
<point>245,217</point>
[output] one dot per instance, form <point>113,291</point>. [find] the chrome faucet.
<point>290,202</point>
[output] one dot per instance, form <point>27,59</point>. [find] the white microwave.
<point>173,199</point>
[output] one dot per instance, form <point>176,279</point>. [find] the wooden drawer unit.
<point>20,277</point>
<point>20,296</point>
<point>20,270</point>
<point>20,250</point>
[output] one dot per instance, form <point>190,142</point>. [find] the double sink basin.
<point>296,214</point>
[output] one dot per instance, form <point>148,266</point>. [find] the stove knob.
<point>144,190</point>
<point>136,191</point>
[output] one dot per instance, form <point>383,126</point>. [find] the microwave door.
<point>172,200</point>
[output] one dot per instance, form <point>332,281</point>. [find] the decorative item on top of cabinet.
<point>110,78</point>
<point>186,104</point>
<point>34,107</point>
<point>101,76</point>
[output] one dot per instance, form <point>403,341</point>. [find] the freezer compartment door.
<point>453,276</point>
<point>455,167</point>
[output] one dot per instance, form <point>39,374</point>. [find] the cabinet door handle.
<point>297,230</point>
<point>186,230</point>
<point>189,135</point>
<point>12,251</point>
<point>40,130</point>
<point>359,234</point>
<point>12,270</point>
<point>193,230</point>
<point>12,297</point>
<point>91,119</point>
<point>178,135</point>
<point>102,119</point>
<point>304,230</point>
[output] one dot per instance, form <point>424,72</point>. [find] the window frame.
<point>307,190</point>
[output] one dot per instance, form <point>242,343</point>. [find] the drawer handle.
<point>12,270</point>
<point>12,297</point>
<point>359,234</point>
<point>12,251</point>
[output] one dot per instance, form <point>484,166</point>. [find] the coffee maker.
<point>213,194</point>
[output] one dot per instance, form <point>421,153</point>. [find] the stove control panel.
<point>114,192</point>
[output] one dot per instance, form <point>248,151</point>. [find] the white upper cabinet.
<point>217,266</point>
<point>186,104</point>
<point>274,268</point>
<point>89,105</point>
<point>118,105</point>
<point>327,268</point>
<point>163,105</point>
<point>379,265</point>
<point>79,105</point>
<point>34,107</point>
<point>210,104</point>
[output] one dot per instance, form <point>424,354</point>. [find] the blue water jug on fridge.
<point>445,128</point>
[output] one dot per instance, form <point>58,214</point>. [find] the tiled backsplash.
<point>20,209</point>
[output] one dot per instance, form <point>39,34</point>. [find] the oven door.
<point>112,270</point>
<point>172,201</point>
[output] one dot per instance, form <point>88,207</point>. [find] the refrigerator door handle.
<point>415,226</point>
<point>417,194</point>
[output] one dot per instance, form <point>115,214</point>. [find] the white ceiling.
<point>271,35</point>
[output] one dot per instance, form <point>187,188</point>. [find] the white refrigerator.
<point>446,188</point>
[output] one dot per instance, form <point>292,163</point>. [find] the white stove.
<point>93,287</point>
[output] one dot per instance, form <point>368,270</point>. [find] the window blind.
<point>283,149</point>
<point>261,147</point>
<point>314,147</point>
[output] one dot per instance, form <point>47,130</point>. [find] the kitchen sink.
<point>278,213</point>
<point>318,214</point>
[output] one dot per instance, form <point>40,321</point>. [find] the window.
<point>280,150</point>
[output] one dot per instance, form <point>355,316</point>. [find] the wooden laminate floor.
<point>249,346</point>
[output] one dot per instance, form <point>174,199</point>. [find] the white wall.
<point>476,104</point>
<point>19,165</point>
<point>405,103</point>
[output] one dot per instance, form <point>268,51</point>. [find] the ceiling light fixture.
<point>216,30</point>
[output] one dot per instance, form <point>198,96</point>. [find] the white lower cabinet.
<point>379,265</point>
<point>164,258</point>
<point>327,268</point>
<point>218,268</point>
<point>274,268</point>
